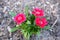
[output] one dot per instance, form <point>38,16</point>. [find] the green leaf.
<point>38,34</point>
<point>32,18</point>
<point>12,13</point>
<point>26,10</point>
<point>48,18</point>
<point>47,27</point>
<point>14,29</point>
<point>25,34</point>
<point>28,22</point>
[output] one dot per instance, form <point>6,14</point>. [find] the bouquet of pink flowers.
<point>30,23</point>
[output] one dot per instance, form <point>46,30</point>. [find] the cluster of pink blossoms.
<point>38,13</point>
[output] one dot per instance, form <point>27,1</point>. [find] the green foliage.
<point>29,29</point>
<point>12,13</point>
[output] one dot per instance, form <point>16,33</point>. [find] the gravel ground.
<point>52,10</point>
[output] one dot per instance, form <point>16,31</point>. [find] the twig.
<point>55,22</point>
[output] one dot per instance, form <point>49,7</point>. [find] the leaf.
<point>48,18</point>
<point>38,34</point>
<point>28,22</point>
<point>47,27</point>
<point>12,13</point>
<point>25,34</point>
<point>32,18</point>
<point>26,10</point>
<point>14,29</point>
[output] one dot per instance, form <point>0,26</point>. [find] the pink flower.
<point>19,18</point>
<point>42,22</point>
<point>38,12</point>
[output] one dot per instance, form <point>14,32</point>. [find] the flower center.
<point>41,22</point>
<point>19,18</point>
<point>38,12</point>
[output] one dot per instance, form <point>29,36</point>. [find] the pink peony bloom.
<point>42,22</point>
<point>38,12</point>
<point>19,18</point>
